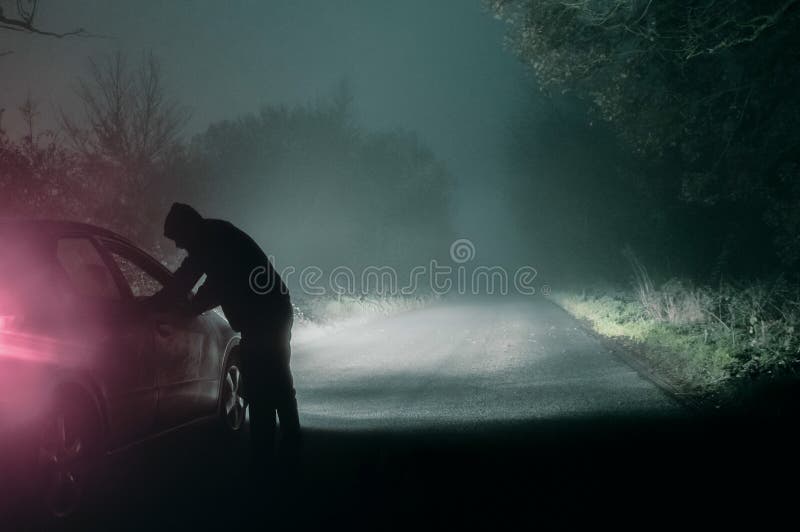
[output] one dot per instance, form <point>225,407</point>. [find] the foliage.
<point>37,175</point>
<point>307,173</point>
<point>120,165</point>
<point>706,88</point>
<point>129,132</point>
<point>703,336</point>
<point>43,179</point>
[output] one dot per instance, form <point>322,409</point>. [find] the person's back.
<point>250,291</point>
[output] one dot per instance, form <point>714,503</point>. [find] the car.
<point>88,366</point>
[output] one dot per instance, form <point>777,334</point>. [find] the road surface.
<point>477,412</point>
<point>465,364</point>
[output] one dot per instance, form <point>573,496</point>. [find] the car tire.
<point>68,456</point>
<point>233,404</point>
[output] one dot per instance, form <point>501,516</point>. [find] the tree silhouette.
<point>704,87</point>
<point>22,18</point>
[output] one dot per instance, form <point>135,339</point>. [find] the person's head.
<point>182,225</point>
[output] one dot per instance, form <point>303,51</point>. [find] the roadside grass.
<point>706,340</point>
<point>681,352</point>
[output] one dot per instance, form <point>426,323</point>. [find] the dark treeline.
<point>322,190</point>
<point>670,127</point>
<point>308,182</point>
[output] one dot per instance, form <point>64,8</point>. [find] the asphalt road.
<point>461,365</point>
<point>486,412</point>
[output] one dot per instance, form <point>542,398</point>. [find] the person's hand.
<point>155,303</point>
<point>185,308</point>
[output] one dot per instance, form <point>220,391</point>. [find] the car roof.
<point>55,227</point>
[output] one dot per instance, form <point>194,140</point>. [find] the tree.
<point>128,120</point>
<point>22,18</point>
<point>125,161</point>
<point>705,87</point>
<point>38,177</point>
<point>323,191</point>
<point>129,132</point>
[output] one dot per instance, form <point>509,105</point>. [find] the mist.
<point>436,70</point>
<point>522,239</point>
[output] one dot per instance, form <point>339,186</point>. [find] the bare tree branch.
<point>24,21</point>
<point>127,118</point>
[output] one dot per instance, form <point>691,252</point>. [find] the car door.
<point>185,377</point>
<point>116,338</point>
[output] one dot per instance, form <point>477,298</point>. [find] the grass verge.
<point>727,345</point>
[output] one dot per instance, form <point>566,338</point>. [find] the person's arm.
<point>181,284</point>
<point>205,299</point>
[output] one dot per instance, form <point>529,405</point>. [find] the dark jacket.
<point>239,277</point>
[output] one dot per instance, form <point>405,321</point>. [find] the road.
<point>464,413</point>
<point>465,364</point>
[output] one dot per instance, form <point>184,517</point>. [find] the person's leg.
<point>287,406</point>
<point>289,442</point>
<point>286,396</point>
<point>261,411</point>
<point>263,426</point>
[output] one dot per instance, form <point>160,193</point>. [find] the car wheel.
<point>68,454</point>
<point>233,402</point>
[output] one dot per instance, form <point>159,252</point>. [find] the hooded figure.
<point>241,279</point>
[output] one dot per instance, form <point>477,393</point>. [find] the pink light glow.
<point>38,348</point>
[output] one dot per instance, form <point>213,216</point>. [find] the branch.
<point>25,24</point>
<point>749,31</point>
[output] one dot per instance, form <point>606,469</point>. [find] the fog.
<point>438,69</point>
<point>625,172</point>
<point>405,126</point>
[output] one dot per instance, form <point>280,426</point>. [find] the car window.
<point>142,284</point>
<point>87,273</point>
